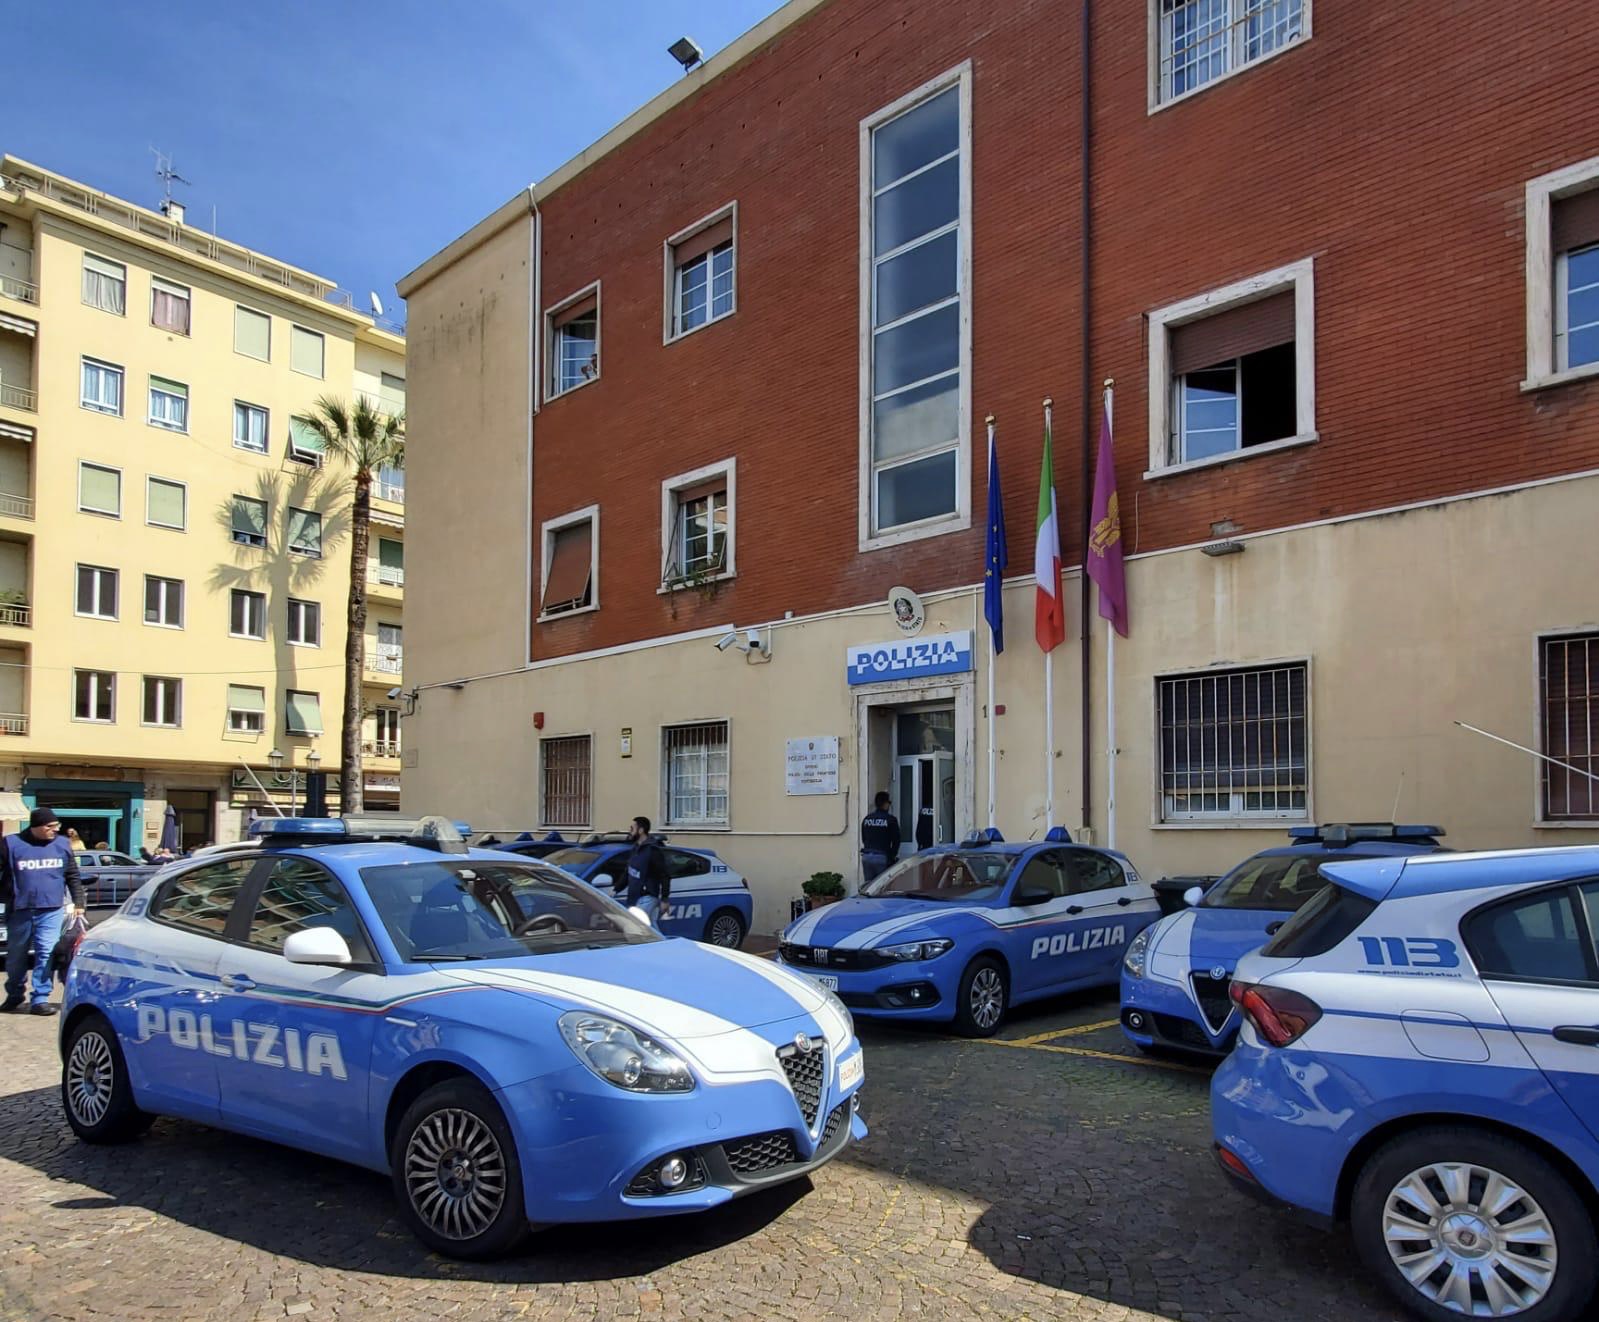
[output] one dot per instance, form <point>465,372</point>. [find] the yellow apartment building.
<point>174,552</point>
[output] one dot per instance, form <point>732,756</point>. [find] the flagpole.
<point>1049,684</point>
<point>1110,682</point>
<point>991,755</point>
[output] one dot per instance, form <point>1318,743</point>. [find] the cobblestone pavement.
<point>1032,1178</point>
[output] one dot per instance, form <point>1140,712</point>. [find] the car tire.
<point>982,998</point>
<point>726,929</point>
<point>95,1091</point>
<point>456,1174</point>
<point>1461,1232</point>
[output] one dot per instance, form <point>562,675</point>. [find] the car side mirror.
<point>1031,896</point>
<point>317,945</point>
<point>1193,895</point>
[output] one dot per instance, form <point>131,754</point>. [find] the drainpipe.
<point>535,358</point>
<point>1086,229</point>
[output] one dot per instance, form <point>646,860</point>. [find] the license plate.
<point>851,1072</point>
<point>826,980</point>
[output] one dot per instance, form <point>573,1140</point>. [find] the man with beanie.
<point>37,870</point>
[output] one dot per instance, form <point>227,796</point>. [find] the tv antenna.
<point>168,176</point>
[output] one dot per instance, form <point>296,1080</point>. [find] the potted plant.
<point>823,888</point>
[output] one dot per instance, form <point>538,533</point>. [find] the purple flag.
<point>1104,557</point>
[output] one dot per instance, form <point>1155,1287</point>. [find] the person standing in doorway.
<point>37,871</point>
<point>880,838</point>
<point>648,886</point>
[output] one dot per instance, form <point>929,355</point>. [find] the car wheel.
<point>983,997</point>
<point>95,1092</point>
<point>726,928</point>
<point>1457,1221</point>
<point>456,1173</point>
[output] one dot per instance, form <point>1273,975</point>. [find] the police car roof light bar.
<point>1059,835</point>
<point>428,832</point>
<point>980,837</point>
<point>1344,833</point>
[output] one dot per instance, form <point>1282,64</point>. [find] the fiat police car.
<point>1420,1058</point>
<point>507,1043</point>
<point>961,933</point>
<point>1176,974</point>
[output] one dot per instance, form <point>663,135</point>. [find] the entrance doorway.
<point>924,775</point>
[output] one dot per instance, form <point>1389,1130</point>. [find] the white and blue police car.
<point>960,933</point>
<point>507,1043</point>
<point>1176,973</point>
<point>1420,1058</point>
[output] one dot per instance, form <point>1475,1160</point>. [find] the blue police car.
<point>506,1042</point>
<point>1420,1058</point>
<point>1177,972</point>
<point>960,933</point>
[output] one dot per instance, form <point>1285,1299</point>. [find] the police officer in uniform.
<point>879,838</point>
<point>37,870</point>
<point>648,886</point>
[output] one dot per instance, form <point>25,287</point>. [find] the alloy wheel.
<point>987,997</point>
<point>455,1173</point>
<point>726,931</point>
<point>90,1076</point>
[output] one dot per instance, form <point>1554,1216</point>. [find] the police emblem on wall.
<point>909,614</point>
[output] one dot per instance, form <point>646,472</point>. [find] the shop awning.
<point>12,808</point>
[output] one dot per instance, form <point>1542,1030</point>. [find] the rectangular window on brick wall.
<point>571,568</point>
<point>697,526</point>
<point>1200,41</point>
<point>695,773</point>
<point>1568,677</point>
<point>700,264</point>
<point>1563,275</point>
<point>564,781</point>
<point>572,332</point>
<point>1235,744</point>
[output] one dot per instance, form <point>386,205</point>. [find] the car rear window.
<point>1274,881</point>
<point>573,860</point>
<point>1327,919</point>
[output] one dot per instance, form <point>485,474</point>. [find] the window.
<point>697,526</point>
<point>391,394</point>
<point>163,601</point>
<point>100,490</point>
<point>696,774</point>
<point>1238,369</point>
<point>302,712</point>
<point>305,532</point>
<point>1203,40</point>
<point>1563,275</point>
<point>574,340</point>
<point>306,352</point>
<point>165,503</point>
<point>306,445</point>
<point>391,562</point>
<point>915,308</point>
<point>169,404</point>
<point>390,484</point>
<point>1568,699</point>
<point>94,695</point>
<point>250,427</point>
<point>305,623</point>
<point>169,306</point>
<point>97,592</point>
<point>163,701</point>
<point>102,387</point>
<point>246,709</point>
<point>699,269</point>
<point>1324,921</point>
<point>1087,872</point>
<point>298,896</point>
<point>564,771</point>
<point>571,563</point>
<point>386,732</point>
<point>390,655</point>
<point>1538,937</point>
<point>1235,744</point>
<point>105,284</point>
<point>1046,874</point>
<point>248,521</point>
<point>252,333</point>
<point>247,614</point>
<point>202,898</point>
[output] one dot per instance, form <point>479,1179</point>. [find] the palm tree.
<point>366,439</point>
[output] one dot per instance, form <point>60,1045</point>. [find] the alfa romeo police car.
<point>509,1044</point>
<point>1420,1057</point>
<point>1176,974</point>
<point>960,933</point>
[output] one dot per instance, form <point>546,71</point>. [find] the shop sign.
<point>383,780</point>
<point>911,658</point>
<point>812,765</point>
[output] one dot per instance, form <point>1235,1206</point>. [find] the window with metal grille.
<point>564,781</point>
<point>695,759</point>
<point>1568,674</point>
<point>1203,40</point>
<point>1235,743</point>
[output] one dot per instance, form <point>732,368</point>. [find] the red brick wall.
<point>1393,148</point>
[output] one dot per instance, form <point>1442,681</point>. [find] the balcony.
<point>15,507</point>
<point>383,665</point>
<point>13,723</point>
<point>18,614</point>
<point>385,582</point>
<point>24,291</point>
<point>16,397</point>
<point>381,748</point>
<point>393,492</point>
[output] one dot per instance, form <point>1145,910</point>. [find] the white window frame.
<point>260,597</point>
<point>112,687</point>
<point>288,623</point>
<point>149,481</point>
<point>552,364</point>
<point>150,414</point>
<point>961,519</point>
<point>1544,272</point>
<point>588,806</point>
<point>266,514</point>
<point>90,509</point>
<point>95,405</point>
<point>727,469</point>
<point>240,307</point>
<point>303,330</point>
<point>176,715</point>
<point>1298,276</point>
<point>547,533</point>
<point>288,710</point>
<point>289,523</point>
<point>260,717</point>
<point>266,427</point>
<point>706,823</point>
<point>165,598</point>
<point>159,284</point>
<point>1156,104</point>
<point>83,270</point>
<point>116,592</point>
<point>670,286</point>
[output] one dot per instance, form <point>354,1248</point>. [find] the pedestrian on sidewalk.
<point>648,886</point>
<point>37,872</point>
<point>879,838</point>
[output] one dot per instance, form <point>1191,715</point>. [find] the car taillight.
<point>1279,1015</point>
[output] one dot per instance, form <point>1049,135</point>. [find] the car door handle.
<point>1074,908</point>
<point>237,981</point>
<point>1124,901</point>
<point>1578,1034</point>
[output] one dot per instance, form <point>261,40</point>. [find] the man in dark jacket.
<point>37,871</point>
<point>648,886</point>
<point>879,838</point>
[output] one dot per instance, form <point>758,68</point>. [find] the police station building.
<point>703,469</point>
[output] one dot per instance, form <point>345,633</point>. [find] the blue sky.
<point>350,137</point>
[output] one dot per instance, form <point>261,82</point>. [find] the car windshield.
<point>945,876</point>
<point>573,860</point>
<point>1281,882</point>
<point>462,909</point>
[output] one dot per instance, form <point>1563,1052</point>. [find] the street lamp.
<point>275,757</point>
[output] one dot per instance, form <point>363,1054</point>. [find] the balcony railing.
<point>18,507</point>
<point>15,397</point>
<point>385,662</point>
<point>390,576</point>
<point>390,491</point>
<point>24,291</point>
<point>380,748</point>
<point>16,612</point>
<point>13,723</point>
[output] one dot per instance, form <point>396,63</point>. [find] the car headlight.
<point>622,1055</point>
<point>917,950</point>
<point>1137,952</point>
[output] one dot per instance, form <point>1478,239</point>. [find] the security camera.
<point>394,693</point>
<point>752,639</point>
<point>726,641</point>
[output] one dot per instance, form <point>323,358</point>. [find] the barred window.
<point>564,781</point>
<point>1568,673</point>
<point>1202,40</point>
<point>1234,744</point>
<point>696,773</point>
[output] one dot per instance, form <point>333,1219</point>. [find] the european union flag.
<point>997,556</point>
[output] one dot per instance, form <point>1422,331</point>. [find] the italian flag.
<point>1049,623</point>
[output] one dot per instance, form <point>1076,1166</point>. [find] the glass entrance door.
<point>926,800</point>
